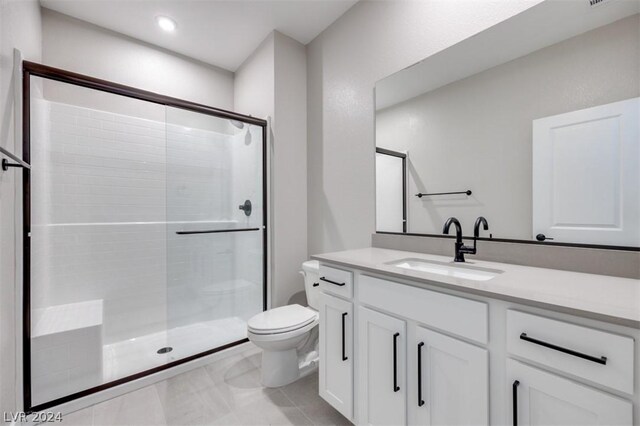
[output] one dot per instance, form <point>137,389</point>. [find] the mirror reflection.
<point>541,139</point>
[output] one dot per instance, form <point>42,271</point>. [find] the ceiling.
<point>220,32</point>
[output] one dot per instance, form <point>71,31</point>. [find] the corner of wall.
<point>20,28</point>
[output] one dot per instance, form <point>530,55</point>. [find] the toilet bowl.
<point>288,336</point>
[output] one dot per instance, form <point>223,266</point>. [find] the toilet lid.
<point>282,319</point>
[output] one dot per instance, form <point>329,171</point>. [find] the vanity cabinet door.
<point>451,381</point>
<point>336,353</point>
<point>382,369</point>
<point>541,398</point>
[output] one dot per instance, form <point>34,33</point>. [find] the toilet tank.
<point>310,270</point>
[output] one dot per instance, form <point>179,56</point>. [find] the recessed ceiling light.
<point>166,23</point>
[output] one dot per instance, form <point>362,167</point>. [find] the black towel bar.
<point>18,162</point>
<point>424,194</point>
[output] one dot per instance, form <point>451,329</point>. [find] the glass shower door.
<point>97,279</point>
<point>215,231</point>
<point>145,240</point>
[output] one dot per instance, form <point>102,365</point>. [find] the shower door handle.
<point>344,355</point>
<point>216,231</point>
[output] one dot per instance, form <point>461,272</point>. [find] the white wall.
<point>19,28</point>
<point>272,83</point>
<point>289,165</point>
<point>254,89</point>
<point>369,42</point>
<point>476,133</point>
<point>81,47</point>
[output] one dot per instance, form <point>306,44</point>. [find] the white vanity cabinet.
<point>452,381</point>
<point>336,353</point>
<point>542,398</point>
<point>419,354</point>
<point>425,379</point>
<point>382,366</point>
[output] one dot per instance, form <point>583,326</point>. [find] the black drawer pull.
<point>420,400</point>
<point>602,360</point>
<point>396,388</point>
<point>332,282</point>
<point>514,392</point>
<point>316,284</point>
<point>344,355</point>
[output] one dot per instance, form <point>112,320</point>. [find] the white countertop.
<point>600,297</point>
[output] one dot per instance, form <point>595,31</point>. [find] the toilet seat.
<point>282,320</point>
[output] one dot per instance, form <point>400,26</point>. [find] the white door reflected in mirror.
<point>586,172</point>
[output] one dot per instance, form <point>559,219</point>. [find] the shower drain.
<point>165,350</point>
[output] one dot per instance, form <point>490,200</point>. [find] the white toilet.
<point>288,335</point>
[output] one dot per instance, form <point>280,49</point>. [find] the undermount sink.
<point>463,271</point>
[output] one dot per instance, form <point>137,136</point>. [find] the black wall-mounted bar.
<point>216,231</point>
<point>18,162</point>
<point>424,194</point>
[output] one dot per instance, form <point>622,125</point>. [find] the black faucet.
<point>460,248</point>
<point>476,228</point>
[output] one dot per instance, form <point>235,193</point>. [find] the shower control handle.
<point>246,207</point>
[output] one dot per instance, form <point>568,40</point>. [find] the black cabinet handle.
<point>344,356</point>
<point>601,360</point>
<point>396,388</point>
<point>514,391</point>
<point>420,400</point>
<point>332,282</point>
<point>316,284</point>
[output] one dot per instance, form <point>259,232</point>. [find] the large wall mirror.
<point>532,124</point>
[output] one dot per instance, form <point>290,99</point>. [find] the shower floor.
<point>132,356</point>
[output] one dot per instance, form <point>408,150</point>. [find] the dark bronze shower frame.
<point>403,157</point>
<point>38,70</point>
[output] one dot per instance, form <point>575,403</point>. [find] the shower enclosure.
<point>144,232</point>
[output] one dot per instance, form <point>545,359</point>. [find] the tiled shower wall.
<point>108,193</point>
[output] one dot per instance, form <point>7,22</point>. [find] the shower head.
<point>238,124</point>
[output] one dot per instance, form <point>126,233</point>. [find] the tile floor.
<point>226,392</point>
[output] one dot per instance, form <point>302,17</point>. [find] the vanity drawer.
<point>456,315</point>
<point>594,355</point>
<point>336,281</point>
